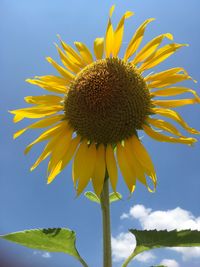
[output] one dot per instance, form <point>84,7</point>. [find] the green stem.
<point>105,208</point>
<point>129,259</point>
<point>82,261</point>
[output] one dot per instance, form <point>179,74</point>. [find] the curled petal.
<point>164,138</point>
<point>175,102</point>
<point>173,91</point>
<point>164,125</point>
<point>174,115</point>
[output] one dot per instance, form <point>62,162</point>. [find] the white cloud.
<point>145,257</point>
<point>188,253</point>
<point>137,211</point>
<point>124,244</point>
<point>42,254</point>
<point>170,219</point>
<point>46,255</point>
<point>169,263</point>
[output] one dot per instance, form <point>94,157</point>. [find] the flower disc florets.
<point>108,101</point>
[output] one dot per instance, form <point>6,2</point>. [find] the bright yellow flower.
<point>100,103</point>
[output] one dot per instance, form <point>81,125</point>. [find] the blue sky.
<point>28,32</point>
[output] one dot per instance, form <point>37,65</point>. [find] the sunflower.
<point>101,101</point>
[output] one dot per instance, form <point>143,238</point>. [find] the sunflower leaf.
<point>146,240</point>
<point>51,239</point>
<point>157,239</point>
<point>115,196</point>
<point>92,197</point>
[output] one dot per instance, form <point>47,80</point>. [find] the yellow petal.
<point>84,52</point>
<point>109,38</point>
<point>160,55</point>
<point>17,117</point>
<point>99,170</point>
<point>141,177</point>
<point>87,169</point>
<point>44,100</point>
<point>136,39</point>
<point>175,103</point>
<point>174,115</point>
<point>53,80</point>
<point>45,153</point>
<point>50,85</point>
<point>36,112</point>
<point>99,47</point>
<point>59,128</point>
<point>150,48</point>
<point>126,170</point>
<point>111,10</point>
<point>111,167</point>
<point>143,157</point>
<point>20,132</point>
<point>65,73</point>
<point>72,54</point>
<point>176,78</point>
<point>70,151</point>
<point>136,168</point>
<point>164,125</point>
<point>65,159</point>
<point>163,138</point>
<point>40,124</point>
<point>69,64</point>
<point>79,161</point>
<point>47,150</point>
<point>164,74</point>
<point>118,34</point>
<point>172,91</point>
<point>59,150</point>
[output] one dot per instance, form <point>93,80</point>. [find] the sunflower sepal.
<point>92,197</point>
<point>115,196</point>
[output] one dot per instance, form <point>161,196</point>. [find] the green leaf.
<point>92,197</point>
<point>115,196</point>
<point>51,239</point>
<point>146,240</point>
<point>157,239</point>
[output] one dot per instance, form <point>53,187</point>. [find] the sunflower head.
<point>99,103</point>
<point>107,101</point>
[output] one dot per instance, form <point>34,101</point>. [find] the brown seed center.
<point>108,101</point>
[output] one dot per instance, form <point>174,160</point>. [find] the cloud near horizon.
<point>169,263</point>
